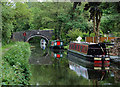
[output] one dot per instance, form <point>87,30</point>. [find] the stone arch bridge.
<point>46,34</point>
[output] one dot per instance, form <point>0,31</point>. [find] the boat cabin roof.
<point>56,40</point>
<point>85,43</point>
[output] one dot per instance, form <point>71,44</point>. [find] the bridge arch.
<point>37,36</point>
<point>46,34</point>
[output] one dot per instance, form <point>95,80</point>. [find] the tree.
<point>22,17</point>
<point>7,21</point>
<point>46,15</point>
<point>111,18</point>
<point>96,10</point>
<point>95,16</point>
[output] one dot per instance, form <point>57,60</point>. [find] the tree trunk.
<point>94,27</point>
<point>97,26</point>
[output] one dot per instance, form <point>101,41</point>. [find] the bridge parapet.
<point>18,36</point>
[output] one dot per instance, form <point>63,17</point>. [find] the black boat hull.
<point>88,62</point>
<point>87,58</point>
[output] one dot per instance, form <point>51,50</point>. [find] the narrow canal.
<point>56,67</point>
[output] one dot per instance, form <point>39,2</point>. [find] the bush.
<point>16,69</point>
<point>74,33</point>
<point>106,41</point>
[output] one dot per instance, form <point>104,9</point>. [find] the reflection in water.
<point>56,53</point>
<point>43,43</point>
<point>95,72</point>
<point>40,57</point>
<point>54,67</point>
<point>56,73</point>
<point>86,72</point>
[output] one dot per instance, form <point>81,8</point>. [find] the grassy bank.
<point>16,69</point>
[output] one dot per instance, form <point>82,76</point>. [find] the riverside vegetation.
<point>15,67</point>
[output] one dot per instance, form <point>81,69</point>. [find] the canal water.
<point>57,67</point>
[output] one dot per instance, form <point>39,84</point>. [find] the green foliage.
<point>74,33</point>
<point>16,69</point>
<point>110,23</point>
<point>7,21</point>
<point>45,14</point>
<point>20,16</point>
<point>111,18</point>
<point>15,17</point>
<point>66,47</point>
<point>23,17</point>
<point>92,35</point>
<point>53,37</point>
<point>107,41</point>
<point>35,40</point>
<point>117,34</point>
<point>101,33</point>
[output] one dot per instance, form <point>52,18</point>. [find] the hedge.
<point>15,66</point>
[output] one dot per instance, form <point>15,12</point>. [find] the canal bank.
<point>15,66</point>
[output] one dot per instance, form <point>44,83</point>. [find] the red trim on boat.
<point>97,61</point>
<point>97,65</point>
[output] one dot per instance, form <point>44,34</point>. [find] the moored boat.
<point>56,44</point>
<point>89,51</point>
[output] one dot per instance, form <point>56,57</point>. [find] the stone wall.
<point>18,36</point>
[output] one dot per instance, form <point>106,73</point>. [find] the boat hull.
<point>89,62</point>
<point>87,57</point>
<point>81,56</point>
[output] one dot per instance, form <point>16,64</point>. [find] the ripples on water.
<point>56,67</point>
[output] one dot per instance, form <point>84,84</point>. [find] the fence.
<point>101,39</point>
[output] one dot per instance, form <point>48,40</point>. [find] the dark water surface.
<point>56,67</point>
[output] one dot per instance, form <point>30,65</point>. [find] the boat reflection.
<point>56,53</point>
<point>97,70</point>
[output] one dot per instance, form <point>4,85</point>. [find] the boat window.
<point>80,48</point>
<point>75,46</point>
<point>85,49</point>
<point>72,46</point>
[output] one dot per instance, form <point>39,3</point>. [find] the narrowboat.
<point>89,51</point>
<point>56,44</point>
<point>96,65</point>
<point>43,44</point>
